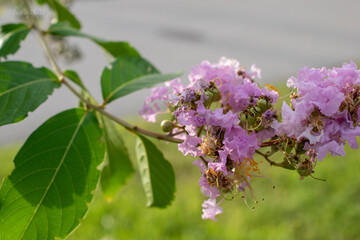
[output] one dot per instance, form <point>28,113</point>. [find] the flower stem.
<point>283,164</point>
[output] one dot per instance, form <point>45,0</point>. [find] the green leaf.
<point>64,15</point>
<point>74,77</point>
<point>129,74</point>
<point>119,167</point>
<point>157,174</point>
<point>116,49</point>
<point>22,89</point>
<point>55,174</point>
<point>11,36</point>
<point>41,2</point>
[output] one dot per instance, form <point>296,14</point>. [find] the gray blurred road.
<point>280,36</point>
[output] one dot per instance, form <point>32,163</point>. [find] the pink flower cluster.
<point>325,109</point>
<point>224,117</point>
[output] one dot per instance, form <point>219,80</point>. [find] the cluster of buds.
<point>224,117</point>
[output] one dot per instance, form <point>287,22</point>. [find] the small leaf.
<point>22,89</point>
<point>74,77</point>
<point>157,174</point>
<point>119,167</point>
<point>130,74</point>
<point>11,36</point>
<point>55,174</point>
<point>116,49</point>
<point>64,15</point>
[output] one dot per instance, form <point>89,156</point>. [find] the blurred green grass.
<point>307,209</point>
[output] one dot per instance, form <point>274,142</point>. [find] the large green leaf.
<point>157,174</point>
<point>22,89</point>
<point>129,74</point>
<point>55,174</point>
<point>116,49</point>
<point>119,168</point>
<point>64,15</point>
<point>10,37</point>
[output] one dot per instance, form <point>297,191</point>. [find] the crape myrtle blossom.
<point>160,95</point>
<point>211,209</point>
<point>224,117</point>
<point>324,109</point>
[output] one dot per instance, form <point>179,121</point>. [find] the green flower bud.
<point>243,119</point>
<point>299,147</point>
<point>305,168</point>
<point>263,105</point>
<point>210,98</point>
<point>217,95</point>
<point>256,111</point>
<point>166,126</point>
<point>251,120</point>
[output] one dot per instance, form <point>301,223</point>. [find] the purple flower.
<point>151,107</point>
<point>333,147</point>
<point>176,86</point>
<point>350,135</point>
<point>239,96</point>
<point>211,209</point>
<point>207,190</point>
<point>190,146</point>
<point>225,70</point>
<point>218,118</point>
<point>239,144</point>
<point>188,95</point>
<point>320,113</point>
<point>160,95</point>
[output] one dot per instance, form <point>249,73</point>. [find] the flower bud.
<point>209,98</point>
<point>299,147</point>
<point>166,126</point>
<point>263,105</point>
<point>256,111</point>
<point>251,120</point>
<point>243,119</point>
<point>305,169</point>
<point>217,95</point>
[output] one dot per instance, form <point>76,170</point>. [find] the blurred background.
<point>280,37</point>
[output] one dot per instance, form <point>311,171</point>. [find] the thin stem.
<point>269,143</point>
<point>123,123</point>
<point>62,79</point>
<point>204,161</point>
<point>33,20</point>
<point>174,134</point>
<point>283,164</point>
<point>200,130</point>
